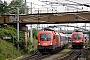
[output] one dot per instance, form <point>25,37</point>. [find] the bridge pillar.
<point>24,28</point>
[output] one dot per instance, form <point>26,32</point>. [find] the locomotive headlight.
<point>50,43</point>
<point>73,41</point>
<point>38,43</point>
<point>81,41</point>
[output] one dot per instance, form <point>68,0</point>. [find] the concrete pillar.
<point>26,39</point>
<point>24,28</point>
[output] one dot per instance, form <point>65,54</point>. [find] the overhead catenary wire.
<point>54,5</point>
<point>70,5</point>
<point>63,4</point>
<point>79,3</point>
<point>48,4</point>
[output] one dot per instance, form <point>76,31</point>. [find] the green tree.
<point>2,7</point>
<point>11,8</point>
<point>34,33</point>
<point>17,3</point>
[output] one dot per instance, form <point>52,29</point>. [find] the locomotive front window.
<point>45,37</point>
<point>77,36</point>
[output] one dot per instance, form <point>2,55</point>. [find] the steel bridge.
<point>42,18</point>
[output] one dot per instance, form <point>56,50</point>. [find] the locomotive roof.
<point>77,33</point>
<point>46,30</point>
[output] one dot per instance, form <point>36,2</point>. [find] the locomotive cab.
<point>46,41</point>
<point>77,39</point>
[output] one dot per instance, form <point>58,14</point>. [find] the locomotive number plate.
<point>44,43</point>
<point>77,41</point>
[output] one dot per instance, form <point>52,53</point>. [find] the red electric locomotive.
<point>49,40</point>
<point>77,39</point>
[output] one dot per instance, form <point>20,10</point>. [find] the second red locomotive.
<point>77,39</point>
<point>49,40</point>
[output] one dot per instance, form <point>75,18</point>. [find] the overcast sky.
<point>37,1</point>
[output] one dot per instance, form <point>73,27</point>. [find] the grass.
<point>65,51</point>
<point>8,51</point>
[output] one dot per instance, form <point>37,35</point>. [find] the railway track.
<point>36,56</point>
<point>73,55</point>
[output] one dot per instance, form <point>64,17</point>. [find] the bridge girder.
<point>42,18</point>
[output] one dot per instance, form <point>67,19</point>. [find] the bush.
<point>12,32</point>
